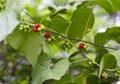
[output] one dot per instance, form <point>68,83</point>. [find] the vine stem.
<point>75,39</point>
<point>52,31</point>
<point>89,58</point>
<point>112,69</point>
<point>77,61</point>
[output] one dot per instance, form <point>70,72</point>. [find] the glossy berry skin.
<point>35,29</point>
<point>102,77</point>
<point>37,25</point>
<point>81,45</point>
<point>47,35</point>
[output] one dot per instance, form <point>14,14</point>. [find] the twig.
<point>49,30</point>
<point>71,38</point>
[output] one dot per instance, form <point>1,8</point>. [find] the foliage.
<point>54,43</point>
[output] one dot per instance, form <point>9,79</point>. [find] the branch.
<point>52,31</point>
<point>71,38</point>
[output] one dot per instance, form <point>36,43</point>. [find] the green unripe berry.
<point>63,42</point>
<point>25,30</point>
<point>27,26</point>
<point>105,74</point>
<point>21,28</point>
<point>90,63</point>
<point>21,25</point>
<point>118,71</point>
<point>115,74</point>
<point>49,39</point>
<point>67,43</point>
<point>52,37</point>
<point>42,27</point>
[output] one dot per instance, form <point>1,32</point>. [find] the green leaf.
<point>110,34</point>
<point>85,4</point>
<point>114,33</point>
<point>43,72</point>
<point>8,22</point>
<point>101,39</point>
<point>65,80</point>
<point>60,2</point>
<point>117,56</point>
<point>111,6</point>
<point>53,51</point>
<point>92,79</point>
<point>108,61</point>
<point>15,5</point>
<point>82,64</point>
<point>81,23</point>
<point>82,78</point>
<point>59,24</point>
<point>29,43</point>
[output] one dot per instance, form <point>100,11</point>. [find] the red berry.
<point>37,25</point>
<point>81,45</point>
<point>102,77</point>
<point>47,35</point>
<point>35,29</point>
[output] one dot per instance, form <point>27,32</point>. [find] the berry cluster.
<point>117,73</point>
<point>65,45</point>
<point>49,37</point>
<point>38,27</point>
<point>2,5</point>
<point>103,75</point>
<point>83,46</point>
<point>24,27</point>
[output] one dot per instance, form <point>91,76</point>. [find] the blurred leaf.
<point>15,5</point>
<point>108,61</point>
<point>53,51</point>
<point>60,2</point>
<point>81,23</point>
<point>82,64</point>
<point>59,24</point>
<point>114,33</point>
<point>86,4</point>
<point>29,43</point>
<point>81,79</point>
<point>117,56</point>
<point>43,72</point>
<point>110,34</point>
<point>111,6</point>
<point>32,10</point>
<point>100,39</point>
<point>92,79</point>
<point>65,80</point>
<point>8,22</point>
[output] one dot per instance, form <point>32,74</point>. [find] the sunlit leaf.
<point>8,22</point>
<point>43,72</point>
<point>29,43</point>
<point>81,23</point>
